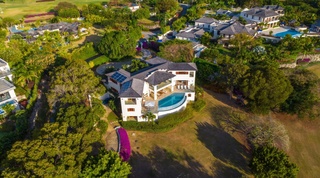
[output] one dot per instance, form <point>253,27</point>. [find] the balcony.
<point>163,84</point>
<point>130,102</point>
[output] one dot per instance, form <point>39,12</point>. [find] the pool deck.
<point>275,30</point>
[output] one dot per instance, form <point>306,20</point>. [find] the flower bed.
<point>38,15</point>
<point>124,146</point>
<point>303,61</point>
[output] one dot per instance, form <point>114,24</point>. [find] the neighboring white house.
<point>268,15</point>
<point>7,94</point>
<point>162,88</point>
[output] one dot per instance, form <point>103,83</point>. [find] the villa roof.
<point>132,88</point>
<point>157,72</point>
<point>186,35</point>
<point>155,60</point>
<point>3,63</point>
<point>159,77</point>
<point>206,20</point>
<point>273,7</point>
<point>261,12</point>
<point>5,85</point>
<point>236,28</point>
<point>199,32</point>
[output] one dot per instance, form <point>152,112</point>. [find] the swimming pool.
<point>172,101</point>
<point>293,34</point>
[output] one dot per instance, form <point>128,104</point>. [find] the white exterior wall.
<point>202,25</point>
<point>137,109</point>
<point>191,80</point>
<point>146,89</point>
<point>12,96</point>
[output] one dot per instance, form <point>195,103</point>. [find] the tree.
<point>179,24</point>
<point>305,95</point>
<point>271,162</point>
<point>56,152</point>
<point>150,116</point>
<point>69,13</point>
<point>167,5</point>
<point>177,51</point>
<point>265,87</point>
<point>118,44</point>
<point>242,21</point>
<point>106,165</point>
<point>136,64</point>
<point>64,5</point>
<point>73,83</point>
<point>206,38</point>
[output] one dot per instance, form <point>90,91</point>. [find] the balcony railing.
<point>130,102</point>
<point>163,84</point>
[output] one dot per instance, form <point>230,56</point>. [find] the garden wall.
<point>312,57</point>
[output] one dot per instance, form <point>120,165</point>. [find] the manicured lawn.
<point>314,67</point>
<point>17,8</point>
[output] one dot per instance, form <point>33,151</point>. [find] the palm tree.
<point>24,75</point>
<point>150,116</point>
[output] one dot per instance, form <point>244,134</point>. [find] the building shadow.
<point>160,163</point>
<point>224,147</point>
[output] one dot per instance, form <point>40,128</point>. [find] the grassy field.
<point>18,8</point>
<point>196,148</point>
<point>314,67</point>
<point>203,147</point>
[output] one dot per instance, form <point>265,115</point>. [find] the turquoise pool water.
<point>170,102</point>
<point>293,33</point>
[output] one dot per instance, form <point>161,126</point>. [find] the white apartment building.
<point>162,88</point>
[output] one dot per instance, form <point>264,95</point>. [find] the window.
<point>182,73</point>
<point>131,101</point>
<point>189,95</point>
<point>130,109</point>
<point>114,81</point>
<point>114,90</point>
<point>4,96</point>
<point>191,74</point>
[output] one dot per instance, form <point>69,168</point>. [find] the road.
<point>185,7</point>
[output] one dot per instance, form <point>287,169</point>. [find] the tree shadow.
<point>160,162</point>
<point>221,171</point>
<point>224,147</point>
<point>228,119</point>
<point>224,98</point>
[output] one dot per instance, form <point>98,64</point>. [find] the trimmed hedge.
<point>161,125</point>
<point>199,104</point>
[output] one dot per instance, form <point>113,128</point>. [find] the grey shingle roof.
<point>158,77</point>
<point>261,12</point>
<point>273,7</point>
<point>133,85</point>
<point>206,20</point>
<point>186,35</point>
<point>182,66</point>
<point>5,86</point>
<point>236,28</point>
<point>134,90</point>
<point>155,60</point>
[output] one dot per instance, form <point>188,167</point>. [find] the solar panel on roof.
<point>118,77</point>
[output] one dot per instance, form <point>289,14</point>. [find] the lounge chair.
<point>178,87</point>
<point>185,87</point>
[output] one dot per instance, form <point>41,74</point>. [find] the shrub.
<point>199,104</point>
<point>102,126</point>
<point>125,148</point>
<point>161,125</point>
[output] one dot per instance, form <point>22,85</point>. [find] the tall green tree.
<point>118,44</point>
<point>265,87</point>
<point>73,83</point>
<point>271,162</point>
<point>106,165</point>
<point>305,95</point>
<point>56,152</point>
<point>167,5</point>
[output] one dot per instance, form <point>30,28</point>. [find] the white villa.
<point>268,15</point>
<point>7,94</point>
<point>162,88</point>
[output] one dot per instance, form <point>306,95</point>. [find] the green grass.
<point>18,8</point>
<point>314,67</point>
<point>112,117</point>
